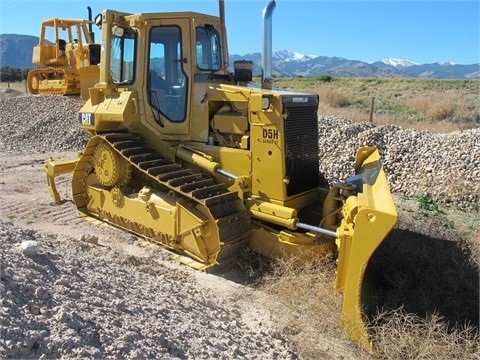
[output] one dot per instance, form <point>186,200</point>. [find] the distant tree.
<point>325,78</point>
<point>10,74</point>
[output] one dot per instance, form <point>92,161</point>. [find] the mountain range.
<point>290,63</point>
<point>16,51</point>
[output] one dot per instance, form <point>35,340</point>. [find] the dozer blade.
<point>368,217</point>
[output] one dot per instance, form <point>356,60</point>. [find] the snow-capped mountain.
<point>446,63</point>
<point>289,55</point>
<point>397,63</point>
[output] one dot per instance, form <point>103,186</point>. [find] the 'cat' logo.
<point>86,118</point>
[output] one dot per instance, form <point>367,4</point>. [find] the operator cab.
<point>168,80</point>
<point>164,56</point>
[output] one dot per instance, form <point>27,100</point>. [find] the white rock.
<point>30,247</point>
<point>92,239</point>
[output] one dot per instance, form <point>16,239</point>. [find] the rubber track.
<point>232,218</point>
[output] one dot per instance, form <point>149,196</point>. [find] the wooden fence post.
<point>371,108</point>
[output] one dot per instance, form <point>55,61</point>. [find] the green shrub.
<point>427,205</point>
<point>325,78</point>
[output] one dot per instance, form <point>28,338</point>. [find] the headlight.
<point>117,30</point>
<point>265,102</point>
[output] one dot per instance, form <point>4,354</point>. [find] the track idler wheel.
<point>33,82</point>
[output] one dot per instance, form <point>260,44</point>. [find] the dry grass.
<point>402,335</point>
<point>310,308</point>
<point>20,86</point>
<point>420,104</point>
<point>335,99</point>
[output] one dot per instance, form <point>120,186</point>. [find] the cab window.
<point>208,48</point>
<point>167,81</point>
<point>122,61</point>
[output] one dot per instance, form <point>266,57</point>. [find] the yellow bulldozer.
<point>69,65</point>
<point>190,155</point>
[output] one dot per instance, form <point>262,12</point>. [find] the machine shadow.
<point>425,275</point>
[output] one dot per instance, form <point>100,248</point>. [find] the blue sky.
<point>421,31</point>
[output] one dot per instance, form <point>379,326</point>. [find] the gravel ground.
<point>74,298</point>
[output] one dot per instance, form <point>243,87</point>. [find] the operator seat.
<point>157,82</point>
<point>62,44</point>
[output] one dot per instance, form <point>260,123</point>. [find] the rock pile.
<point>42,123</point>
<point>443,166</point>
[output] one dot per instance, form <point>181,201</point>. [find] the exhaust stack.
<point>90,30</point>
<point>267,45</point>
<point>223,35</point>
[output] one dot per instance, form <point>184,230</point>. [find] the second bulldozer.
<point>69,65</point>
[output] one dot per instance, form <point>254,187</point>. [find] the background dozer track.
<point>55,81</point>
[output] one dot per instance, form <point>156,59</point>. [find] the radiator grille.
<point>301,139</point>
